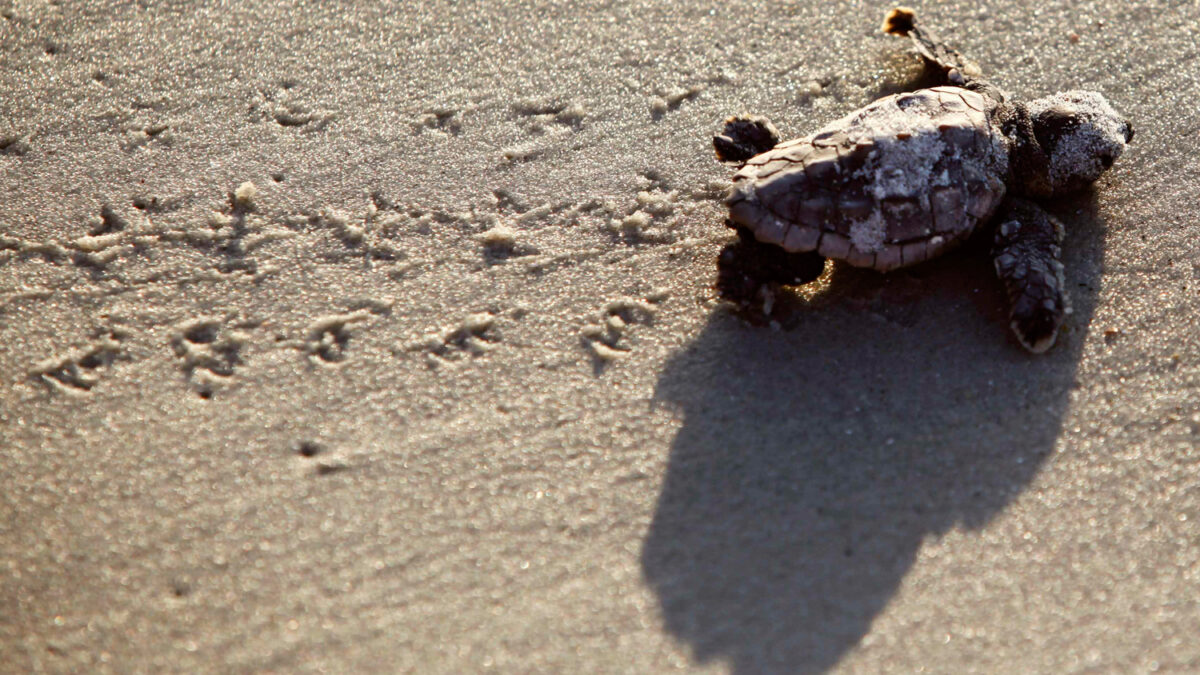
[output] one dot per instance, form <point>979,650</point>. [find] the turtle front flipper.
<point>745,136</point>
<point>957,68</point>
<point>1026,255</point>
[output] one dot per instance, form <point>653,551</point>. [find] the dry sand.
<point>348,338</point>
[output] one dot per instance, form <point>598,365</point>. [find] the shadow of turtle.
<point>813,462</point>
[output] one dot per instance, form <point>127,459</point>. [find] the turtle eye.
<point>1054,124</point>
<point>1106,160</point>
<point>1128,132</point>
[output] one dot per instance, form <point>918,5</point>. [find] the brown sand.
<point>447,389</point>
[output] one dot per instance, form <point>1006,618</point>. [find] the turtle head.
<point>1081,135</point>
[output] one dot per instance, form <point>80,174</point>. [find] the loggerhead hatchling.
<point>911,176</point>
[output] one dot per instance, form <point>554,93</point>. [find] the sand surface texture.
<point>343,337</point>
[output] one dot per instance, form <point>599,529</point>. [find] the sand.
<point>338,338</point>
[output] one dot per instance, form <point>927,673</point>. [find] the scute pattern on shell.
<point>893,184</point>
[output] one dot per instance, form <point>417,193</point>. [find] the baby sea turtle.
<point>911,176</point>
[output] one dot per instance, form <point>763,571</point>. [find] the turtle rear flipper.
<point>745,136</point>
<point>747,265</point>
<point>957,69</point>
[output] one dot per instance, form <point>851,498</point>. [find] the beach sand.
<point>338,338</point>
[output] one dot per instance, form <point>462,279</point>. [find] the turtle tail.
<point>957,69</point>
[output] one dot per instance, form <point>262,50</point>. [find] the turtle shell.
<point>893,184</point>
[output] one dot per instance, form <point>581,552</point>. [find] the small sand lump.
<point>245,193</point>
<point>499,236</point>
